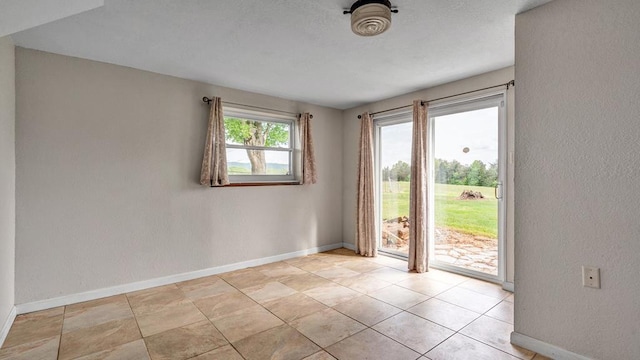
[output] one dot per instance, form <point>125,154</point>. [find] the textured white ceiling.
<point>300,50</point>
<point>18,15</point>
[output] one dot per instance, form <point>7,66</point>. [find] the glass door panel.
<point>466,181</point>
<point>394,172</point>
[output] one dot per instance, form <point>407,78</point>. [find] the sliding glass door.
<point>466,176</point>
<point>467,167</point>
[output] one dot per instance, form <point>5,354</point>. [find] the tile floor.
<point>332,305</point>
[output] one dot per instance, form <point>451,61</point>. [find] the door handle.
<point>498,190</point>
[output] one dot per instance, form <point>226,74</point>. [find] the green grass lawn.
<point>477,217</point>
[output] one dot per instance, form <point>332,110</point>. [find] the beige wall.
<point>351,137</point>
<point>108,162</point>
<point>7,177</point>
<point>577,171</point>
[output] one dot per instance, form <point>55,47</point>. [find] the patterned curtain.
<point>309,175</point>
<point>214,162</point>
<point>418,222</point>
<point>366,230</point>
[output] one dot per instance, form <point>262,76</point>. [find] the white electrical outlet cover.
<point>591,277</point>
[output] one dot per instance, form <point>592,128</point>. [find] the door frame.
<point>499,99</point>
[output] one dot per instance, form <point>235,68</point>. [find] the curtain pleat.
<point>214,162</point>
<point>418,222</point>
<point>366,227</point>
<point>309,175</point>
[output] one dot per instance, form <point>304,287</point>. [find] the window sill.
<point>274,183</point>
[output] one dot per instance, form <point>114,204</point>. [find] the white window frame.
<point>262,116</point>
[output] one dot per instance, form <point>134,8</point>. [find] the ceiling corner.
<point>18,15</point>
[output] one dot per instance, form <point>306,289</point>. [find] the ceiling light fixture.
<point>370,17</point>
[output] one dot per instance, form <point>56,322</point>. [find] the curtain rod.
<point>208,101</point>
<point>507,84</point>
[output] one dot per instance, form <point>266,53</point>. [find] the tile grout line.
<point>332,308</point>
<point>470,337</point>
<point>401,311</point>
<point>288,324</point>
<point>495,348</point>
<point>137,325</point>
<point>455,332</point>
<point>328,307</point>
<point>211,321</point>
<point>483,342</point>
<point>64,313</point>
<point>414,350</point>
<point>214,325</point>
<point>262,306</point>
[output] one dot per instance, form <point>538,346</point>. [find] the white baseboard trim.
<point>507,286</point>
<point>349,246</point>
<point>544,348</point>
<point>146,284</point>
<point>7,325</point>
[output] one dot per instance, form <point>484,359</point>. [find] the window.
<point>260,146</point>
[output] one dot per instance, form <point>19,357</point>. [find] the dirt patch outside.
<point>471,195</point>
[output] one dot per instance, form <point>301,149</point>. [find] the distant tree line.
<point>449,172</point>
<point>400,171</point>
